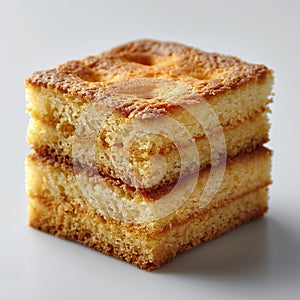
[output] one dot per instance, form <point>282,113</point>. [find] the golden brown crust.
<point>208,74</point>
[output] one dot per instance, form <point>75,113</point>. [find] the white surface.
<point>256,261</point>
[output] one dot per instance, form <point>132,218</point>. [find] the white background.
<point>256,261</point>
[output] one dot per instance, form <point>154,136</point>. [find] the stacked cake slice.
<point>148,150</point>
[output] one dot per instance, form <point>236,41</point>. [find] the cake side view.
<point>148,150</point>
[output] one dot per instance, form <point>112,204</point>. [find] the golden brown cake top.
<point>208,74</point>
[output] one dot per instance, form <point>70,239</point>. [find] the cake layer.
<point>139,169</point>
<point>81,222</point>
<point>235,106</point>
<point>212,75</point>
<point>155,209</point>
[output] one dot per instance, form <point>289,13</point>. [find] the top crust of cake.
<point>209,74</point>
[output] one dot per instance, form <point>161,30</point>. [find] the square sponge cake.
<point>148,150</point>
